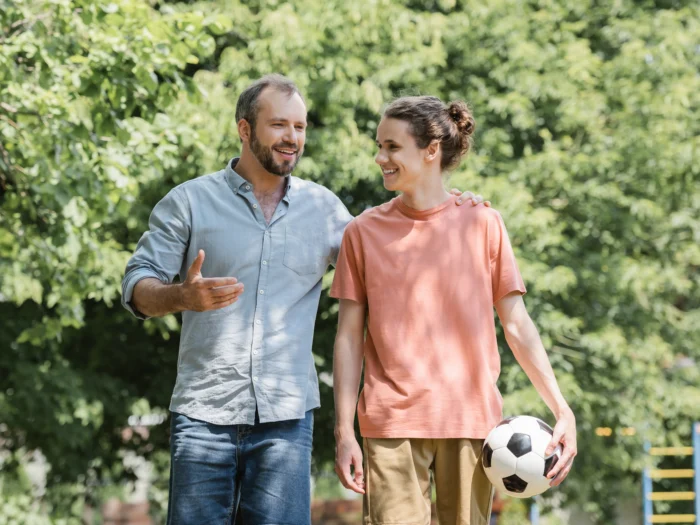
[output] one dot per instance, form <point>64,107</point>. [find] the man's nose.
<point>290,135</point>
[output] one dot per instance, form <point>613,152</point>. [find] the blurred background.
<point>588,128</point>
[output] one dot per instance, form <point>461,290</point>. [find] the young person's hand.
<point>465,196</point>
<point>200,294</point>
<point>564,436</point>
<point>348,464</point>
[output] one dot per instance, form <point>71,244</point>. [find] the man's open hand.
<point>201,294</point>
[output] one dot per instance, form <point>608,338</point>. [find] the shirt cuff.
<point>353,295</point>
<point>505,290</point>
<point>128,285</point>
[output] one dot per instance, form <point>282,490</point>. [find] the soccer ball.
<point>513,456</point>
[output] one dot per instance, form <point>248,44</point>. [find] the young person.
<point>423,277</point>
<point>242,406</point>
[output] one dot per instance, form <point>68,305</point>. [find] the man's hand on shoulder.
<point>468,196</point>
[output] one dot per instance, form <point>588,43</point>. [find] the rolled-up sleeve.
<point>161,250</point>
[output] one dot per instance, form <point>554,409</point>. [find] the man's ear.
<point>244,130</point>
<point>432,151</point>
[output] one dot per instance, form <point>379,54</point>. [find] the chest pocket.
<point>305,251</point>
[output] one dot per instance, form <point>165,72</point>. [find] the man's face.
<point>278,138</point>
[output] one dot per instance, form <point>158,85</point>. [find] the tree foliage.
<point>588,118</point>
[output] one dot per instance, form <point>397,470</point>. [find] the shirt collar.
<point>240,185</point>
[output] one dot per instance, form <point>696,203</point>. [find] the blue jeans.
<point>259,473</point>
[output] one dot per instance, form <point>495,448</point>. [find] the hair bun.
<point>460,114</point>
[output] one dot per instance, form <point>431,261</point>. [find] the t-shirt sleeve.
<point>340,217</point>
<point>349,279</point>
<point>505,275</point>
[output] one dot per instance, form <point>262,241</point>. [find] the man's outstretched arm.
<point>148,289</point>
<point>524,340</point>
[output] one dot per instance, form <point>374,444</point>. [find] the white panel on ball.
<point>499,436</point>
<point>502,463</point>
<point>541,486</point>
<point>531,490</point>
<point>530,468</point>
<point>525,425</point>
<point>539,441</point>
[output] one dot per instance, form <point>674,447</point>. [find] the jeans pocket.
<point>308,422</point>
<point>304,251</point>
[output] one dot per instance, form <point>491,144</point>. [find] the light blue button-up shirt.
<point>257,351</point>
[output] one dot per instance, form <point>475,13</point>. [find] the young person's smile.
<point>388,173</point>
<point>398,156</point>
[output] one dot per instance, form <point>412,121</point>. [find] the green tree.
<point>84,88</point>
<point>587,139</point>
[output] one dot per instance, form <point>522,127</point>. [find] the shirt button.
<point>255,206</point>
<point>264,262</point>
<point>247,187</point>
<point>258,321</point>
<point>262,292</point>
<point>255,352</point>
<point>255,378</point>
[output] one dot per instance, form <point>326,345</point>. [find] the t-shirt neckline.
<point>423,215</point>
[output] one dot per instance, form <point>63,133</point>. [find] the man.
<point>250,244</point>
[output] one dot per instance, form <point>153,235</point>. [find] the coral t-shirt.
<point>430,280</point>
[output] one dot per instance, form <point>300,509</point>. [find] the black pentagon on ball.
<point>519,444</point>
<point>544,426</point>
<point>514,484</point>
<point>486,455</point>
<point>506,421</point>
<point>550,462</point>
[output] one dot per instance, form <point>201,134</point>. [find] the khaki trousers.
<point>398,489</point>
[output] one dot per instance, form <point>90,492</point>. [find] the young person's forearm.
<point>347,370</point>
<point>525,342</point>
<point>154,299</point>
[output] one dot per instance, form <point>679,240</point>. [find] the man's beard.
<point>266,160</point>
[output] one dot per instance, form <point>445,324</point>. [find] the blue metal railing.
<point>649,474</point>
<point>696,468</point>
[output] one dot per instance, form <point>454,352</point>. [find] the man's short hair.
<point>247,105</point>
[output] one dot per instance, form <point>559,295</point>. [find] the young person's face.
<point>277,140</point>
<point>398,155</point>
